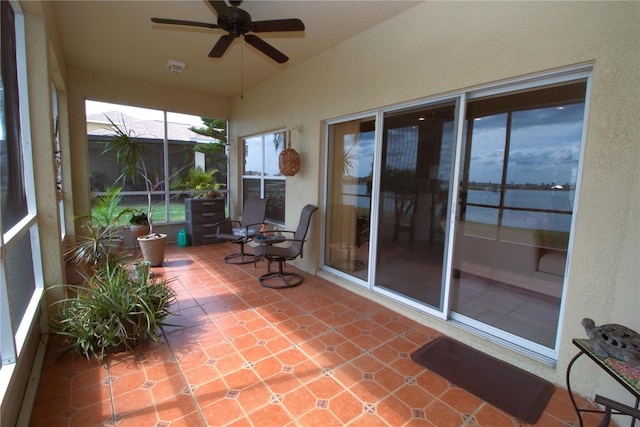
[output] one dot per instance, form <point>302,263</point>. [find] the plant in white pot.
<point>129,152</point>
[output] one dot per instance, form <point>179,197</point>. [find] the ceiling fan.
<point>236,22</point>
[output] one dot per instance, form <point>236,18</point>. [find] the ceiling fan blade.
<point>221,46</point>
<point>277,25</point>
<point>181,22</point>
<point>221,8</point>
<point>266,48</point>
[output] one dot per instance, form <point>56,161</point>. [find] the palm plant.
<point>198,182</point>
<point>99,245</point>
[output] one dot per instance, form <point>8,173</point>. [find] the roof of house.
<point>142,128</point>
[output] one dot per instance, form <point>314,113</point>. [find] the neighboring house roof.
<point>98,125</point>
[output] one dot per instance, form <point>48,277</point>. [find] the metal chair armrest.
<point>613,405</point>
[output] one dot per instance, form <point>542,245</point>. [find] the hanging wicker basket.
<point>289,162</point>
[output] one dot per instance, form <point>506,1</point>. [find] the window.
<point>21,279</point>
<point>462,206</point>
<point>261,177</point>
<point>171,147</point>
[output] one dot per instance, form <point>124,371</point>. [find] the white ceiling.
<point>118,38</point>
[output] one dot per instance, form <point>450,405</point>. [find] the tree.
<point>216,153</point>
<point>213,128</point>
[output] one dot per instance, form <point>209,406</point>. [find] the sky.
<point>544,147</point>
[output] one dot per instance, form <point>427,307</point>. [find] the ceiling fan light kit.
<point>237,22</point>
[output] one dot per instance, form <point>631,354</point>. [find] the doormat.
<point>507,387</point>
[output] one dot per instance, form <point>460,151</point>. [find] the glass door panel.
<point>516,196</point>
<point>417,153</point>
<point>350,171</point>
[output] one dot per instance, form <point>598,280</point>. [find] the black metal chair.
<point>281,254</point>
<point>244,231</point>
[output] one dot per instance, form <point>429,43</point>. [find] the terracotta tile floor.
<point>243,355</point>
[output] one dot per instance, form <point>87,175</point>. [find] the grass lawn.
<point>176,213</point>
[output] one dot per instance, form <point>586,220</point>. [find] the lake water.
<point>560,200</point>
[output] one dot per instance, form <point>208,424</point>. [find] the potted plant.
<point>99,244</point>
<point>115,312</point>
<point>130,155</point>
<point>199,183</point>
<point>139,223</point>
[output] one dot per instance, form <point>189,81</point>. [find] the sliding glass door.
<point>415,174</point>
<point>463,207</point>
<point>517,191</point>
<point>351,146</point>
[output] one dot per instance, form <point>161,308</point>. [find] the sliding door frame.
<point>461,98</point>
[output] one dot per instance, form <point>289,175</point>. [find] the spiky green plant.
<point>99,244</point>
<point>115,311</point>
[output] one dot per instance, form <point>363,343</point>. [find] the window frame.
<point>262,176</point>
<point>11,345</point>
<point>164,145</point>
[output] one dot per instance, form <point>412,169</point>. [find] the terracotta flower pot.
<point>152,247</point>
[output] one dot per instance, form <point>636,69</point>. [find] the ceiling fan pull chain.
<point>242,70</point>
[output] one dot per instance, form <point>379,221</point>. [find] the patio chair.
<point>281,254</point>
<point>242,232</point>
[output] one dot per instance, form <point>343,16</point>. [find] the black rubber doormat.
<point>507,387</point>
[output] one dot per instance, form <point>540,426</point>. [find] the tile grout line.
<point>114,418</point>
<point>329,371</point>
<point>173,355</point>
<point>182,374</point>
<point>184,378</point>
<point>330,329</point>
<point>333,329</point>
<point>262,381</point>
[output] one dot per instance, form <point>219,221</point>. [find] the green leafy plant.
<point>106,211</point>
<point>198,182</point>
<point>115,312</point>
<point>139,217</point>
<point>99,244</point>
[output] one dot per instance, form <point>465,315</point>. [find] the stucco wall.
<point>443,47</point>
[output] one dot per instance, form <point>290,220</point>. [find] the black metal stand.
<point>585,348</point>
<point>282,276</point>
<point>241,257</point>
